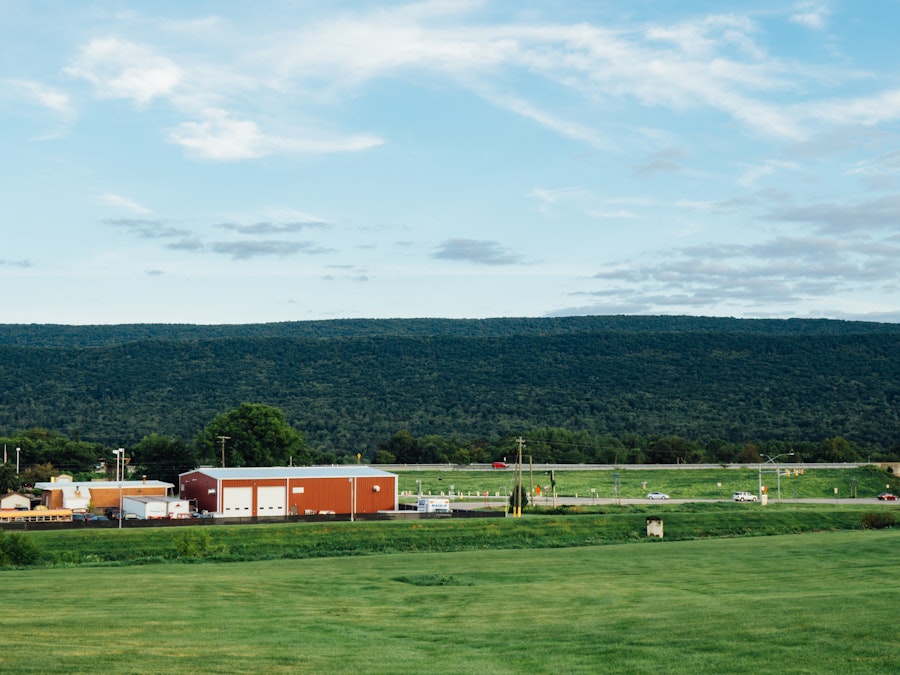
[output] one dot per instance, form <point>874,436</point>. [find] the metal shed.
<point>284,491</point>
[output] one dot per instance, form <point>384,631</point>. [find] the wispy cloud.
<point>51,98</point>
<point>273,228</point>
<point>844,218</point>
<point>125,203</point>
<point>15,263</point>
<point>811,15</point>
<point>475,251</point>
<point>245,250</point>
<point>714,62</point>
<point>147,229</point>
<point>786,271</point>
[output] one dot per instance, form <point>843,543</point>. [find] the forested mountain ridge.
<point>798,380</point>
<point>56,335</point>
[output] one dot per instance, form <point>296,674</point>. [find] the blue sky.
<point>234,162</point>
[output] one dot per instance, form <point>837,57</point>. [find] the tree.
<point>838,449</point>
<point>38,473</point>
<point>384,457</point>
<point>255,435</point>
<point>404,447</point>
<point>162,458</point>
<point>8,480</point>
<point>749,455</point>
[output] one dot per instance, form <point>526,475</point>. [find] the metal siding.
<point>197,485</point>
<point>370,501</point>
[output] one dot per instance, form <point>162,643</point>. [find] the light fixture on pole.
<point>18,450</point>
<point>772,460</point>
<point>120,476</point>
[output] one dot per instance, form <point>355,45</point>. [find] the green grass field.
<point>821,602</point>
<point>719,483</point>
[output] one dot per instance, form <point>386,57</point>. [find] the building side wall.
<point>109,496</point>
<point>202,488</point>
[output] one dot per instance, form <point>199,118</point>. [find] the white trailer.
<point>177,508</point>
<point>432,505</point>
<point>145,508</point>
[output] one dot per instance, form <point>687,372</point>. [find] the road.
<point>493,502</point>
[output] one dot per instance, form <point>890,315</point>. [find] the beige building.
<point>91,495</point>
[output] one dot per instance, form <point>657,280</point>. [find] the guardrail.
<point>612,467</point>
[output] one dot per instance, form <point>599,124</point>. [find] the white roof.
<point>249,473</point>
<point>101,484</point>
<point>154,499</point>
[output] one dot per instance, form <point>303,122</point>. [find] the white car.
<point>657,495</point>
<point>744,497</point>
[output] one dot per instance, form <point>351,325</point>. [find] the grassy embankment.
<point>810,603</point>
<point>582,526</point>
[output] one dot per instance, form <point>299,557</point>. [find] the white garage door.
<point>238,501</point>
<point>270,501</point>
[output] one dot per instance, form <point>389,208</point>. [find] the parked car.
<point>499,465</point>
<point>744,497</point>
<point>657,495</point>
<point>887,497</point>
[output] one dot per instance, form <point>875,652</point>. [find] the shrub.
<point>17,550</point>
<point>196,543</point>
<point>878,521</point>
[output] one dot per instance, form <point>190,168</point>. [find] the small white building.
<point>13,500</point>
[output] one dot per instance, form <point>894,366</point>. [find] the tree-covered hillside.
<point>355,384</point>
<point>55,335</point>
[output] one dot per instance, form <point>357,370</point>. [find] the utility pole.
<point>517,498</point>
<point>223,439</point>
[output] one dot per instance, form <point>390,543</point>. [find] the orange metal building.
<point>282,491</point>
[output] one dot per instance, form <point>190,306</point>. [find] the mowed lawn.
<point>809,603</point>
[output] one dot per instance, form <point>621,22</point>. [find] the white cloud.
<point>245,104</point>
<point>811,15</point>
<point>121,69</point>
<point>875,109</point>
<point>222,137</point>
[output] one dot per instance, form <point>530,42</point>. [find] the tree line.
<point>259,435</point>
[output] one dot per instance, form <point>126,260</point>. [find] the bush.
<point>17,550</point>
<point>878,521</point>
<point>196,543</point>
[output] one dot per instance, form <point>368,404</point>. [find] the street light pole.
<point>772,460</point>
<point>120,475</point>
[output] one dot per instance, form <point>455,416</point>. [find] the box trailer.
<point>177,508</point>
<point>432,505</point>
<point>145,508</point>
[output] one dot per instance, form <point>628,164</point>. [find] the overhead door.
<point>238,501</point>
<point>270,501</point>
